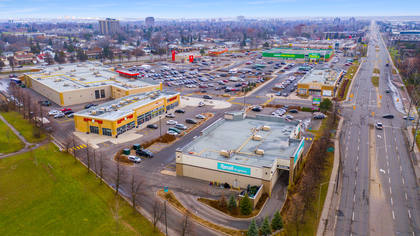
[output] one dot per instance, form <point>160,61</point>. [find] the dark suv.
<point>144,152</point>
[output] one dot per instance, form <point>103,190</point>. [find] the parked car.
<point>257,108</point>
<point>179,111</point>
<point>170,115</point>
<point>171,122</point>
<point>65,109</point>
<point>170,132</point>
<point>379,125</point>
<point>175,130</point>
<point>388,116</point>
<point>71,115</point>
<point>45,103</point>
<point>319,116</point>
<point>134,159</point>
<point>191,121</point>
<point>144,153</point>
<point>59,115</point>
<point>89,105</point>
<point>199,116</point>
<point>408,118</point>
<point>53,112</point>
<point>201,104</point>
<point>68,112</point>
<point>207,97</point>
<point>152,126</point>
<point>293,111</point>
<point>181,126</point>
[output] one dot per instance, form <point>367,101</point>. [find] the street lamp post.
<point>160,126</point>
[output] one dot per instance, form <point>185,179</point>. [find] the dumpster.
<point>136,146</point>
<point>126,151</point>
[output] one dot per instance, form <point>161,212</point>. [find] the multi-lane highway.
<point>379,195</point>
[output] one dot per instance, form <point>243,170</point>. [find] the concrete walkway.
<point>28,146</point>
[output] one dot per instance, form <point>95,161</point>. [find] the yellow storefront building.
<point>120,115</point>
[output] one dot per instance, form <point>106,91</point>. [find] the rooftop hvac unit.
<point>259,152</point>
<point>121,102</point>
<point>225,153</point>
<point>114,105</point>
<point>73,70</point>
<point>93,112</point>
<point>65,85</point>
<point>266,128</point>
<point>102,108</point>
<point>257,137</point>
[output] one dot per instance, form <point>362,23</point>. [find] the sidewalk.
<point>326,222</point>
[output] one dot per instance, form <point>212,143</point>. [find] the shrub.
<point>276,222</point>
<point>252,230</point>
<point>265,228</point>
<point>232,203</point>
<point>245,205</point>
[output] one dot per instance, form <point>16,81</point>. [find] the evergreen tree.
<point>232,203</point>
<point>265,228</point>
<point>245,205</point>
<point>252,230</point>
<point>276,222</point>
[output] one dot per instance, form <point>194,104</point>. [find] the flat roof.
<point>298,51</point>
<point>323,76</point>
<point>75,76</point>
<point>124,106</point>
<point>236,135</point>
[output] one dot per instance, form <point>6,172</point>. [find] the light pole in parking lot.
<point>160,126</point>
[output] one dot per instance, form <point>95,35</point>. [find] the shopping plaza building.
<point>299,54</point>
<point>242,151</point>
<point>120,115</point>
<point>320,82</point>
<point>72,84</point>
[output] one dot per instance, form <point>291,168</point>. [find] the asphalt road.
<point>380,198</point>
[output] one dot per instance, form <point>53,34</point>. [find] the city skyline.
<point>205,9</point>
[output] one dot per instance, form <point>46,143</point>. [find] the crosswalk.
<point>79,147</point>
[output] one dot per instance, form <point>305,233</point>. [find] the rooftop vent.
<point>266,128</point>
<point>225,153</point>
<point>257,137</point>
<point>93,112</point>
<point>259,152</point>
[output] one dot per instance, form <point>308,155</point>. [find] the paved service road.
<point>379,195</point>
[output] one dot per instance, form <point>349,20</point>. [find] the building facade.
<point>109,26</point>
<point>320,83</point>
<point>299,54</point>
<point>121,115</point>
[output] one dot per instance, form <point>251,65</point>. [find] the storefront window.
<point>94,129</point>
<point>106,131</point>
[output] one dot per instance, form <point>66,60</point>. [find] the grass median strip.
<point>45,192</point>
<point>375,81</point>
<point>170,197</point>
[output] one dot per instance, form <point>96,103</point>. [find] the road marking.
<point>393,215</point>
<point>387,163</point>
<point>357,158</point>
<point>390,190</point>
<point>406,197</point>
<point>392,202</point>
<point>400,168</point>
<point>389,179</point>
<point>357,168</point>
<point>358,148</point>
<point>354,197</point>
<point>403,180</point>
<point>352,217</point>
<point>388,170</point>
<point>409,214</point>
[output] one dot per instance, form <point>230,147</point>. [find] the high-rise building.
<point>109,26</point>
<point>240,18</point>
<point>336,21</point>
<point>150,21</point>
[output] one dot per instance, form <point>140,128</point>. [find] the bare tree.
<point>88,156</point>
<point>186,226</point>
<point>101,167</point>
<point>67,144</point>
<point>119,173</point>
<point>157,213</point>
<point>135,189</point>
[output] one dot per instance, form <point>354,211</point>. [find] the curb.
<point>352,81</point>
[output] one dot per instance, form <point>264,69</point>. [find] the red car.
<point>226,81</point>
<point>65,109</point>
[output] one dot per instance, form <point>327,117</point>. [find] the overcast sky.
<point>205,8</point>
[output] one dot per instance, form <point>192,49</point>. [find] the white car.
<point>134,159</point>
<point>201,104</point>
<point>172,133</point>
<point>200,116</point>
<point>170,115</point>
<point>53,112</point>
<point>171,122</point>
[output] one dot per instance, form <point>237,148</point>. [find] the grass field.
<point>23,126</point>
<point>47,193</point>
<point>417,138</point>
<point>375,81</point>
<point>9,142</point>
<point>376,71</point>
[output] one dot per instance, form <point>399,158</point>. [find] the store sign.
<point>316,101</point>
<point>314,55</point>
<point>234,168</point>
<point>284,55</point>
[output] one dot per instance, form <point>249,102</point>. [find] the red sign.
<point>172,99</point>
<point>173,55</point>
<point>191,58</point>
